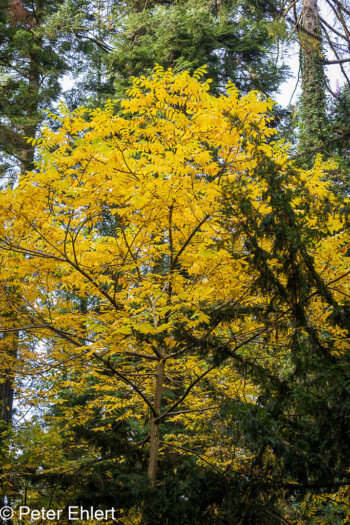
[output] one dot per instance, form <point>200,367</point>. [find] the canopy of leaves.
<point>169,267</point>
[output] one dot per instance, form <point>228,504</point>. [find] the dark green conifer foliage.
<point>30,68</point>
<point>86,28</point>
<point>235,39</point>
<point>340,140</point>
<point>303,413</point>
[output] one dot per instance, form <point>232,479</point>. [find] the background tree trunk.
<point>10,341</point>
<point>313,100</point>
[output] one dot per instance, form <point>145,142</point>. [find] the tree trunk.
<point>9,350</point>
<point>154,432</point>
<point>6,386</point>
<point>27,160</point>
<point>32,117</point>
<point>6,400</point>
<point>313,101</point>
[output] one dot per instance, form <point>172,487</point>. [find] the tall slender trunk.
<point>154,431</point>
<point>30,127</point>
<point>313,100</point>
<point>27,160</point>
<point>9,351</point>
<point>10,342</point>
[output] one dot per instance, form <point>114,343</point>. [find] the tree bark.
<point>10,342</point>
<point>27,162</point>
<point>6,399</point>
<point>30,128</point>
<point>154,431</point>
<point>310,17</point>
<point>312,112</point>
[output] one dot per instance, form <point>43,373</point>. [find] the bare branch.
<point>127,381</point>
<point>183,247</point>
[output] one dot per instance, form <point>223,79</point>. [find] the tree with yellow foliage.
<point>161,251</point>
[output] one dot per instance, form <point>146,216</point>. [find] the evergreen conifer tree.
<point>237,40</point>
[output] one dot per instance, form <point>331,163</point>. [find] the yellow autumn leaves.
<point>118,251</point>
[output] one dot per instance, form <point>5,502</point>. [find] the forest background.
<point>174,261</point>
